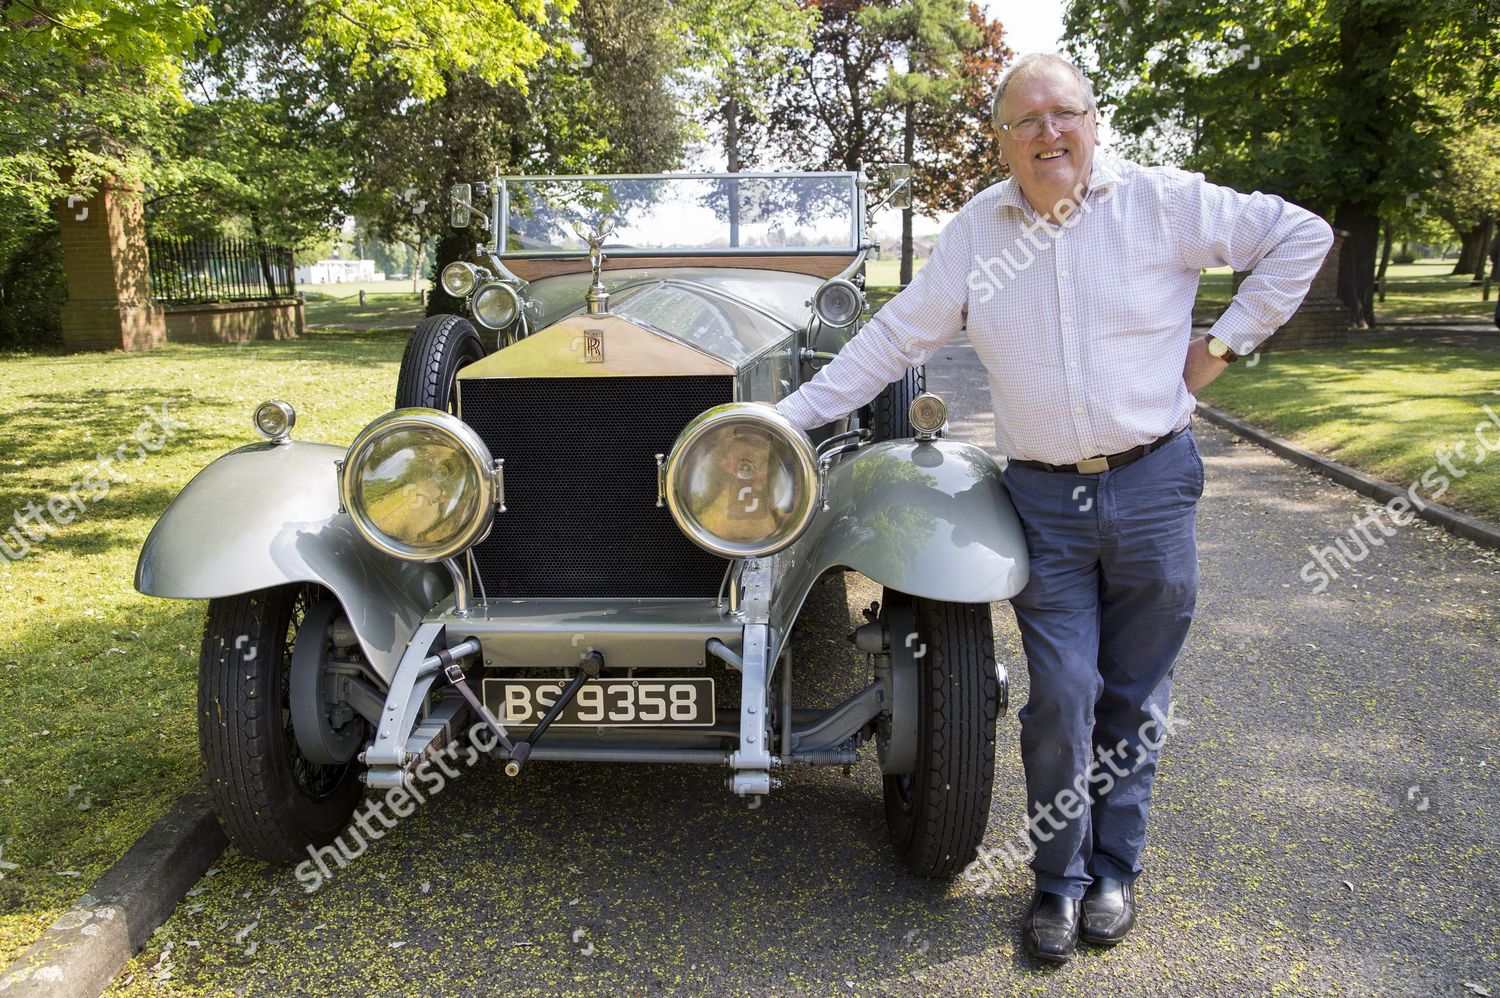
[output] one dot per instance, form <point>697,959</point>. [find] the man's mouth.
<point>1051,154</point>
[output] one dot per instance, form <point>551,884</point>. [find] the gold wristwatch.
<point>1218,348</point>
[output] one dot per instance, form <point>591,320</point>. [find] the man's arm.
<point>1281,245</point>
<point>903,334</point>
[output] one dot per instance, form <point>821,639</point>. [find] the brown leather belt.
<point>1095,465</point>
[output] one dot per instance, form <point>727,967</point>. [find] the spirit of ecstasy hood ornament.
<point>598,298</point>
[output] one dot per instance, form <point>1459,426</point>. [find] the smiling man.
<point>1075,279</point>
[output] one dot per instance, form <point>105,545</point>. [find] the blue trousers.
<point>1114,578</point>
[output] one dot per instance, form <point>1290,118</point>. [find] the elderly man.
<point>1076,279</point>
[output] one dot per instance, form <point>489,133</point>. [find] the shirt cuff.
<point>1242,331</point>
<point>797,409</point>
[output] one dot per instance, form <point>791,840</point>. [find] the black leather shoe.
<point>1108,911</point>
<point>1050,929</point>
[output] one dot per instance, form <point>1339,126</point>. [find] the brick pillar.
<point>109,304</point>
<point>1322,320</point>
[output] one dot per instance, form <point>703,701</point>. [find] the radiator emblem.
<point>593,346</point>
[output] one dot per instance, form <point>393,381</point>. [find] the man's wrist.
<point>1221,349</point>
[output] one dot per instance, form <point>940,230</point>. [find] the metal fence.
<point>187,271</point>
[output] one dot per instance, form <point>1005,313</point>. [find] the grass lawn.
<point>1421,290</point>
<point>382,311</point>
<point>1383,408</point>
<point>97,720</point>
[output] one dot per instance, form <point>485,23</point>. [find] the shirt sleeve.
<point>903,334</point>
<point>1281,245</point>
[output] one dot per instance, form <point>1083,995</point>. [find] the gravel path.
<point>1326,822</point>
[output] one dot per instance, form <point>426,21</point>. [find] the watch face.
<point>1217,347</point>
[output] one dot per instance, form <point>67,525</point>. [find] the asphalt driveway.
<point>1326,821</point>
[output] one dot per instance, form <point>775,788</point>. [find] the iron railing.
<point>185,271</point>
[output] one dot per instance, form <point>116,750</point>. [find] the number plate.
<point>647,703</point>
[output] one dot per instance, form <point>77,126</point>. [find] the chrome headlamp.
<point>741,481</point>
<point>496,305</point>
<point>459,278</point>
<point>838,303</point>
<point>274,420</point>
<point>419,485</point>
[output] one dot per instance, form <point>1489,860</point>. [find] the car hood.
<point>731,313</point>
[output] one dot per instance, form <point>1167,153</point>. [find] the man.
<point>1076,279</point>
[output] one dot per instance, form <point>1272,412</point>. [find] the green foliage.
<point>843,104</point>
<point>1319,100</point>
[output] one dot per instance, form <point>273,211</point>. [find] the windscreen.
<point>685,214</point>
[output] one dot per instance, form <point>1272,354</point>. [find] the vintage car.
<point>582,534</point>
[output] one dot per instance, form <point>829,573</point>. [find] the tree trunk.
<point>265,258</point>
<point>1357,261</point>
<point>1385,260</point>
<point>1487,232</point>
<point>908,152</point>
<point>1470,250</point>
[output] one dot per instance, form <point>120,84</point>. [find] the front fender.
<point>266,515</point>
<point>928,518</point>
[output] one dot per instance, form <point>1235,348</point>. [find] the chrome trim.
<point>501,287</point>
<point>499,485</point>
<point>475,274</point>
<point>288,416</point>
<point>441,424</point>
<point>934,412</point>
<point>460,587</point>
<point>661,480</point>
<point>803,454</point>
<point>829,285</point>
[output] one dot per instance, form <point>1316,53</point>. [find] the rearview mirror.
<point>460,206</point>
<point>893,182</point>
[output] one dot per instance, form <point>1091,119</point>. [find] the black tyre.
<point>440,345</point>
<point>890,413</point>
<point>937,815</point>
<point>272,802</point>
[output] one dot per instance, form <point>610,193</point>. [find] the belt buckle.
<point>1093,466</point>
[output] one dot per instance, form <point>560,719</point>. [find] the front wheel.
<point>439,346</point>
<point>890,413</point>
<point>272,800</point>
<point>938,814</point>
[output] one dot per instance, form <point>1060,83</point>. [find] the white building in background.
<point>338,272</point>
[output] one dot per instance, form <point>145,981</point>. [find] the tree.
<point>889,79</point>
<point>1335,104</point>
<point>937,43</point>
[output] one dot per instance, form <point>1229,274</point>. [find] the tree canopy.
<point>1336,104</point>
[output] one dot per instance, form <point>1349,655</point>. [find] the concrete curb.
<point>1451,520</point>
<point>85,948</point>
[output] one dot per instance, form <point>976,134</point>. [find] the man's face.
<point>1052,164</point>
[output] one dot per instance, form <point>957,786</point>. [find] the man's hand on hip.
<point>1202,367</point>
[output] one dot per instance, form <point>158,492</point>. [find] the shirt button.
<point>1067,318</point>
<point>1073,364</point>
<point>1062,273</point>
<point>1078,410</point>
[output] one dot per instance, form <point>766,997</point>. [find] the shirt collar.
<point>1104,172</point>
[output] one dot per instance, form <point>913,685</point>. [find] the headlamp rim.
<point>825,288</point>
<point>443,424</point>
<point>289,417</point>
<point>803,452</point>
<point>487,286</point>
<point>475,274</point>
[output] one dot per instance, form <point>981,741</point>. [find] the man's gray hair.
<point>1030,63</point>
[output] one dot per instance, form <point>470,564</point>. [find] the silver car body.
<point>929,518</point>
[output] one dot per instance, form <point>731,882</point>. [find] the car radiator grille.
<point>581,517</point>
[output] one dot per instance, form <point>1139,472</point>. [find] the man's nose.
<point>1049,130</point>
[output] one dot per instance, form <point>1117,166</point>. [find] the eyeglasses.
<point>1064,119</point>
